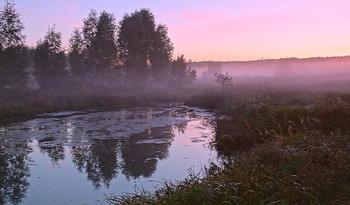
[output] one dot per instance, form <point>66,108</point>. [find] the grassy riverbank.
<point>285,146</point>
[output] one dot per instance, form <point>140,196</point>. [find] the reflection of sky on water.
<point>78,157</point>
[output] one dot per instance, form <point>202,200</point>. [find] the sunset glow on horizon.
<point>220,30</point>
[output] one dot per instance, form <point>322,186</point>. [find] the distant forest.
<point>102,53</point>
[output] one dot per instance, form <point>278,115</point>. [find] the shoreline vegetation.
<point>285,141</point>
<point>281,147</point>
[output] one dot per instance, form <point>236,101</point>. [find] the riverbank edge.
<point>280,148</point>
<point>28,105</point>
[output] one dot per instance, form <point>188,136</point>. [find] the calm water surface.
<point>81,157</point>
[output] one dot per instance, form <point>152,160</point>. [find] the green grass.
<point>283,147</point>
<point>296,170</point>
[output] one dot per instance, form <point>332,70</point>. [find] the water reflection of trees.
<point>142,151</point>
<point>181,128</point>
<point>136,156</point>
<point>55,153</point>
<point>14,171</point>
<point>99,160</point>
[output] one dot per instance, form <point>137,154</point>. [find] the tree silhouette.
<point>11,27</point>
<point>135,43</point>
<point>13,54</point>
<point>93,52</point>
<point>89,33</point>
<point>143,46</point>
<point>14,171</point>
<point>104,43</point>
<point>76,55</point>
<point>180,72</point>
<point>50,60</point>
<point>223,80</point>
<point>142,49</point>
<point>161,54</point>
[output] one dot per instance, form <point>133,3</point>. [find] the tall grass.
<point>285,147</point>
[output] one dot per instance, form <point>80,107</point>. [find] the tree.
<point>50,59</point>
<point>104,43</point>
<point>76,49</point>
<point>13,54</point>
<point>11,26</point>
<point>135,41</point>
<point>180,72</point>
<point>99,37</point>
<point>161,54</point>
<point>89,33</point>
<point>224,81</point>
<point>144,47</point>
<point>90,27</point>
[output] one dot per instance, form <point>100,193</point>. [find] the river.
<point>80,157</point>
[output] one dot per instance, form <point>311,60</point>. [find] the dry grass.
<point>289,147</point>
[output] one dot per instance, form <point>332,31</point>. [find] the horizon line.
<point>267,59</point>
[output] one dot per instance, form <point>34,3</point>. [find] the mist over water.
<point>117,111</point>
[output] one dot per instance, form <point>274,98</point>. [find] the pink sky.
<point>217,30</point>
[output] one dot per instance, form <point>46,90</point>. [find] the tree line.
<point>135,51</point>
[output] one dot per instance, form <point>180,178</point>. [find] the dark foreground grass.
<point>274,173</point>
<point>285,147</point>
